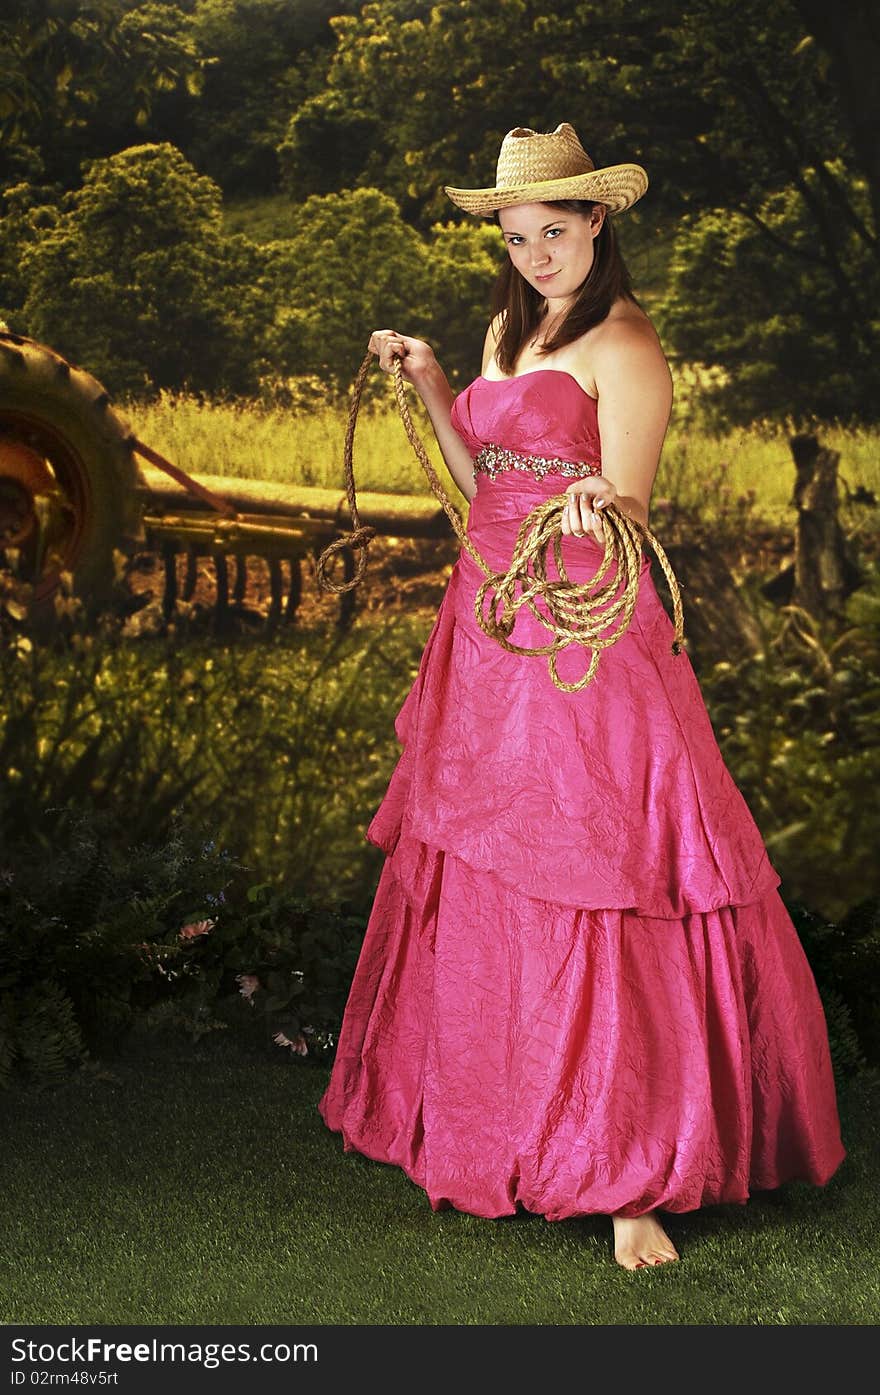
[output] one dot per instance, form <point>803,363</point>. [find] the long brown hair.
<point>520,305</point>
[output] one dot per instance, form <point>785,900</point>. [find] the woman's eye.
<point>514,240</point>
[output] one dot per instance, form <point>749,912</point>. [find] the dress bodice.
<point>544,412</point>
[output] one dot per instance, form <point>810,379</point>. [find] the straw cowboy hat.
<point>534,167</point>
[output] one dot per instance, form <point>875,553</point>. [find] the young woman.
<point>579,989</point>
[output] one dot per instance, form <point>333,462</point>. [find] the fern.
<point>90,935</point>
<point>847,1057</point>
<point>47,1034</point>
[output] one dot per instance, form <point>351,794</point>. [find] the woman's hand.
<point>583,514</point>
<point>416,357</point>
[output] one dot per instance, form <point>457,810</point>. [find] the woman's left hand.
<point>583,513</point>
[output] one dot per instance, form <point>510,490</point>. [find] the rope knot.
<point>357,541</point>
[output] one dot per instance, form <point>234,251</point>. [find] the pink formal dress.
<point>579,989</point>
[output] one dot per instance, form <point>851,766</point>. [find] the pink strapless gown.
<point>579,989</point>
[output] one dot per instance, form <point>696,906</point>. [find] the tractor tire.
<point>62,417</point>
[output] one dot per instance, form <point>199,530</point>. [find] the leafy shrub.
<point>98,933</point>
<point>844,958</point>
<point>289,741</point>
<point>134,278</point>
<point>89,923</point>
<point>798,723</point>
<point>292,960</point>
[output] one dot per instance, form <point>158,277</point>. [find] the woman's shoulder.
<point>626,340</point>
<point>625,324</point>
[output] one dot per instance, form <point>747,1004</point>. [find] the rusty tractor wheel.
<point>67,474</point>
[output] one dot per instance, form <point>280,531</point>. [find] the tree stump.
<point>824,572</point>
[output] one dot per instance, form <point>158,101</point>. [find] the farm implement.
<point>76,486</point>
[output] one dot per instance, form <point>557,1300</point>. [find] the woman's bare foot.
<point>640,1241</point>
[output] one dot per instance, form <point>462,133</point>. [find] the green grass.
<point>199,1185</point>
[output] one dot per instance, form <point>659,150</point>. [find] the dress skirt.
<point>579,990</point>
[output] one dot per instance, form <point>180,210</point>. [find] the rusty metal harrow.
<point>76,486</point>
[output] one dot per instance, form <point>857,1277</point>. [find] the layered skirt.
<point>579,989</point>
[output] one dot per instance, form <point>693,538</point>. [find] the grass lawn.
<point>198,1184</point>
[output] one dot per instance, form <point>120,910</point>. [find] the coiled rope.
<point>576,608</point>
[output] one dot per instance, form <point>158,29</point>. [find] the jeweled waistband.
<point>491,460</point>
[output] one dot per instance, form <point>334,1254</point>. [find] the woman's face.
<point>552,248</point>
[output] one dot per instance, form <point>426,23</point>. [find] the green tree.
<point>722,99</point>
<point>351,266</point>
<point>265,58</point>
<point>354,266</point>
<point>462,262</point>
<point>731,300</point>
<point>80,80</point>
<point>133,276</point>
<point>728,104</point>
<point>27,214</point>
<point>848,38</point>
<point>414,91</point>
<point>136,280</point>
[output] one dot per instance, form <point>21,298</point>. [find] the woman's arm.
<point>634,387</point>
<point>438,397</point>
<point>635,401</point>
<point>420,367</point>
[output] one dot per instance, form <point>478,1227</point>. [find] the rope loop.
<point>357,541</point>
<point>583,613</point>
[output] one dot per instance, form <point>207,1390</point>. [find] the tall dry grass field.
<point>249,440</point>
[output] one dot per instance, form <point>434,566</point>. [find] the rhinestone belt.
<point>491,460</point>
